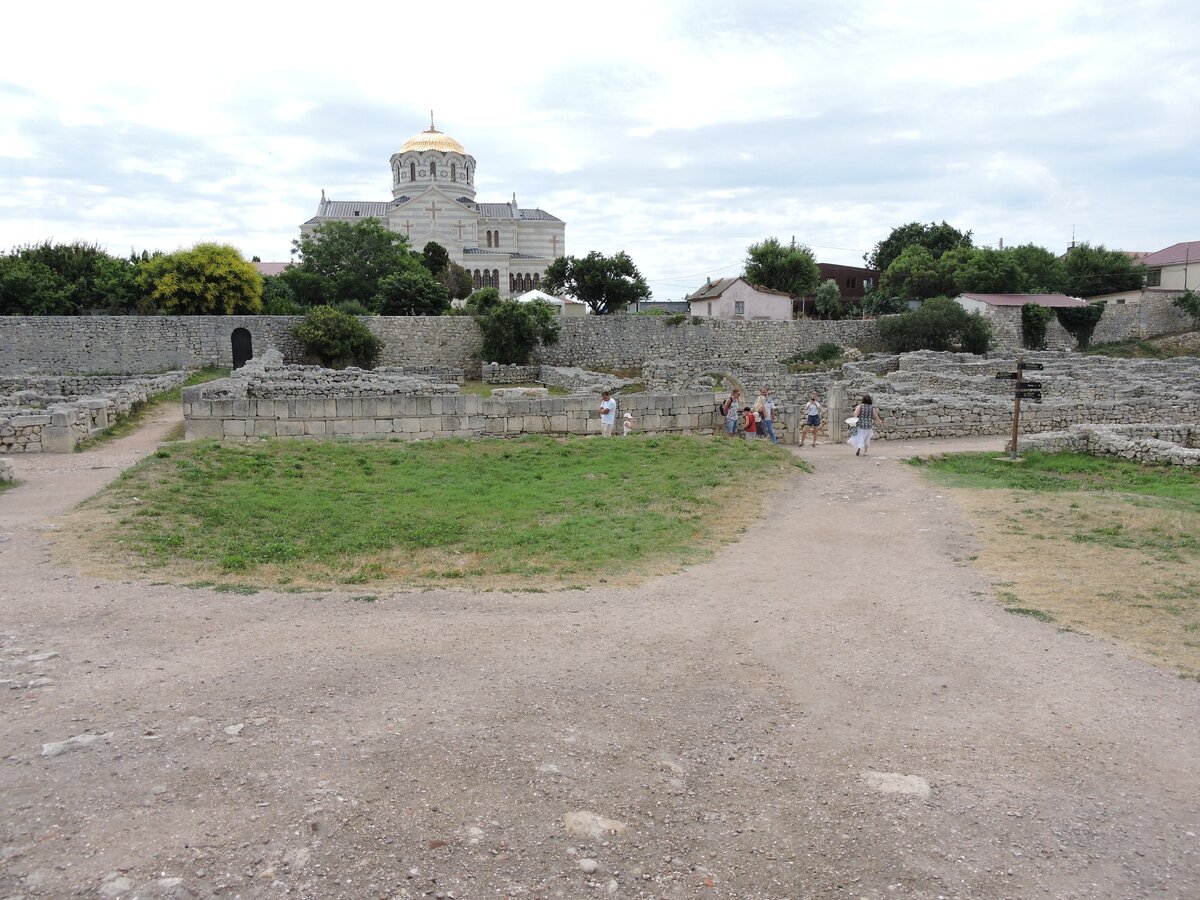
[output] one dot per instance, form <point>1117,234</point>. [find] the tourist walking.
<point>730,410</point>
<point>628,424</point>
<point>812,419</point>
<point>608,414</point>
<point>868,418</point>
<point>764,413</point>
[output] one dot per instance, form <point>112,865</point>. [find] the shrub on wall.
<point>1034,319</point>
<point>1189,302</point>
<point>937,324</point>
<point>1081,321</point>
<point>337,339</point>
<point>511,330</point>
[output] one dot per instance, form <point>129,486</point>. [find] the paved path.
<point>736,718</point>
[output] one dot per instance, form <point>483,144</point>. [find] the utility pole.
<point>1022,390</point>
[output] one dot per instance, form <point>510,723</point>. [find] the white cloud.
<point>679,131</point>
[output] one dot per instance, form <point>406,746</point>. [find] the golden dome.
<point>432,139</point>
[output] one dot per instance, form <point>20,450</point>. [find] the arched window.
<point>453,172</point>
<point>528,282</point>
<point>497,239</point>
<point>512,282</point>
<point>478,280</point>
<point>537,279</point>
<point>495,278</point>
<point>412,171</point>
<point>489,238</point>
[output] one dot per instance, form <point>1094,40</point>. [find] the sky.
<point>679,132</point>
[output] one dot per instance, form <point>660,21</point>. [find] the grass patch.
<point>7,486</point>
<point>1137,349</point>
<point>1038,614</point>
<point>535,511</point>
<point>820,358</point>
<point>1102,546</point>
<point>481,389</point>
<point>130,422</point>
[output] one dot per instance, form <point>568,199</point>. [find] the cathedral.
<point>433,199</point>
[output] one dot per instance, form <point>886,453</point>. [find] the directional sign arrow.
<point>1035,366</point>
<point>1031,385</point>
<point>1006,376</point>
<point>1030,395</point>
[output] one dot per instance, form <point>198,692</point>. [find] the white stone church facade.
<point>433,199</point>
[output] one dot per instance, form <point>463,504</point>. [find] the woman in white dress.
<point>868,418</point>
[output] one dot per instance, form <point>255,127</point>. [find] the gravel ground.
<point>833,706</point>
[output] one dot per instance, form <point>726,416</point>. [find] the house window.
<point>453,172</point>
<point>739,307</point>
<point>1153,277</point>
<point>709,311</point>
<point>867,282</point>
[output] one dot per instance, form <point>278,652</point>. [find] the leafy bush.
<point>337,339</point>
<point>1189,302</point>
<point>1081,321</point>
<point>352,308</point>
<point>828,300</point>
<point>511,330</point>
<point>676,318</point>
<point>1034,319</point>
<point>207,280</point>
<point>938,324</point>
<point>823,356</point>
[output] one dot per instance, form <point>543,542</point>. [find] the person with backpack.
<point>729,409</point>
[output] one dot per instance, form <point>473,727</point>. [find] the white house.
<point>736,298</point>
<point>1171,270</point>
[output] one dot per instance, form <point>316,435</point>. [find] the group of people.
<point>754,421</point>
<point>760,419</point>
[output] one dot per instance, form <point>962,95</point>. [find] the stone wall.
<point>1160,443</point>
<point>53,414</point>
<point>1153,315</point>
<point>497,373</point>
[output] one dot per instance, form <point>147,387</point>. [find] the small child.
<point>750,424</point>
<point>627,424</point>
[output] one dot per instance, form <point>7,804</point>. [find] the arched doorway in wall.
<point>243,347</point>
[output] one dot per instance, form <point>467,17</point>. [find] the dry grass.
<point>1107,564</point>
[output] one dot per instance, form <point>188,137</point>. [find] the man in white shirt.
<point>608,414</point>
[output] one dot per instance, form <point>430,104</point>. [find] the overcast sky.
<point>680,132</point>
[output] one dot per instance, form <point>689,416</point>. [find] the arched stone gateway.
<point>243,347</point>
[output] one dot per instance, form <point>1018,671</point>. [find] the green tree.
<point>607,284</point>
<point>65,279</point>
<point>828,299</point>
<point>989,272</point>
<point>278,297</point>
<point>415,293</point>
<point>512,330</point>
<point>913,275</point>
<point>1034,319</point>
<point>435,258</point>
<point>1090,271</point>
<point>937,324</point>
<point>457,281</point>
<point>937,238</point>
<point>791,268</point>
<point>482,300</point>
<point>347,261</point>
<point>337,339</point>
<point>28,287</point>
<point>1041,270</point>
<point>207,280</point>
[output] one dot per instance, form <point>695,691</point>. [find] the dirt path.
<point>735,718</point>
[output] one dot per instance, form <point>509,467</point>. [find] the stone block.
<point>264,409</point>
<point>221,409</point>
<point>241,408</point>
<point>316,426</point>
<point>344,409</point>
<point>195,429</point>
<point>410,425</point>
<point>362,426</point>
<point>233,427</point>
<point>383,426</point>
<point>289,428</point>
<point>343,426</point>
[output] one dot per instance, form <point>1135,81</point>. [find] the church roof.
<point>348,209</point>
<point>432,139</point>
<point>505,211</point>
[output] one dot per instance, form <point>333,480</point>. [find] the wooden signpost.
<point>1022,390</point>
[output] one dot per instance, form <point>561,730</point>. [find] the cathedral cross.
<point>460,226</point>
<point>554,243</point>
<point>432,210</point>
<point>408,229</point>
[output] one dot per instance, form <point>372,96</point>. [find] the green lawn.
<point>487,513</point>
